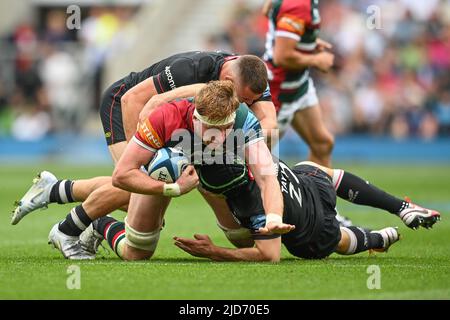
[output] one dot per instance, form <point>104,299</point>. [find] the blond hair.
<point>217,100</point>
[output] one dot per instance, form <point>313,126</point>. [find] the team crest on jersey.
<point>291,23</point>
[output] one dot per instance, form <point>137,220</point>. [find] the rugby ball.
<point>167,165</point>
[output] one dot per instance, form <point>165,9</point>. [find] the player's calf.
<point>359,191</point>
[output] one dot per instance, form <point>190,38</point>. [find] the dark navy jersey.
<point>184,69</point>
<point>302,205</point>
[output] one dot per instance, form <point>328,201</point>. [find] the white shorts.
<point>288,110</point>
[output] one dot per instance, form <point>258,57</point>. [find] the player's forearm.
<point>179,93</point>
<point>295,60</point>
<point>272,197</point>
<point>136,181</point>
<point>243,254</point>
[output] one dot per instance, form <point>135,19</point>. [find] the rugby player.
<point>236,131</point>
<point>309,194</point>
<point>292,48</point>
<point>178,76</point>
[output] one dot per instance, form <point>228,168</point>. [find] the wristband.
<point>273,217</point>
<point>171,190</point>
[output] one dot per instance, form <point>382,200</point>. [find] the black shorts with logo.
<point>111,112</point>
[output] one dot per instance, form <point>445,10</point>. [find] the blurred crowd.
<point>392,66</point>
<point>50,73</point>
<point>391,75</point>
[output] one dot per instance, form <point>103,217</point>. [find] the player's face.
<point>246,95</point>
<point>212,136</point>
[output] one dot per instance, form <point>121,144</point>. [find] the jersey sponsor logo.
<point>149,134</point>
<point>292,24</point>
<point>170,78</point>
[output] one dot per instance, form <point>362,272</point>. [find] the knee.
<point>139,245</point>
<point>323,145</point>
<point>133,254</point>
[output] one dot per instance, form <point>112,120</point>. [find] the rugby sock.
<point>76,222</point>
<point>113,231</point>
<point>362,240</point>
<point>356,190</point>
<point>62,192</point>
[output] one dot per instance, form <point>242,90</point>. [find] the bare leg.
<point>145,215</point>
<point>83,188</point>
<point>309,125</point>
<point>105,200</point>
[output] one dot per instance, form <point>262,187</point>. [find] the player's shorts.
<point>328,233</point>
<point>111,113</point>
<point>288,109</point>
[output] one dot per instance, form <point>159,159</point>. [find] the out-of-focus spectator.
<point>442,112</point>
<point>61,77</point>
<point>48,78</point>
<point>56,30</point>
<point>31,122</point>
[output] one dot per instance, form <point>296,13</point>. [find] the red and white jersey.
<point>298,20</point>
<point>156,131</point>
<point>295,19</point>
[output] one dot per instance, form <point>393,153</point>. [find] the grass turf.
<point>418,267</point>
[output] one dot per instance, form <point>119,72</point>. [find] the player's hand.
<point>323,45</point>
<point>200,246</point>
<point>151,105</point>
<point>276,227</point>
<point>188,180</point>
<point>324,61</point>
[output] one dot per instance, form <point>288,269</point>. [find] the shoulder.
<point>293,15</point>
<point>245,119</point>
<point>299,8</point>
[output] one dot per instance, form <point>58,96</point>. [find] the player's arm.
<point>288,57</point>
<point>150,137</point>
<point>128,176</point>
<point>178,93</point>
<point>262,167</point>
<point>267,116</point>
<point>202,246</point>
<point>132,103</point>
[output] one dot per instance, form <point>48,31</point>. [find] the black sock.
<point>112,230</point>
<point>362,240</point>
<point>76,222</point>
<point>101,223</point>
<point>62,192</point>
<point>356,190</point>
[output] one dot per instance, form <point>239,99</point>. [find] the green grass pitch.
<point>418,267</point>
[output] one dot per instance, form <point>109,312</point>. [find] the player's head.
<point>250,78</point>
<point>215,111</point>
